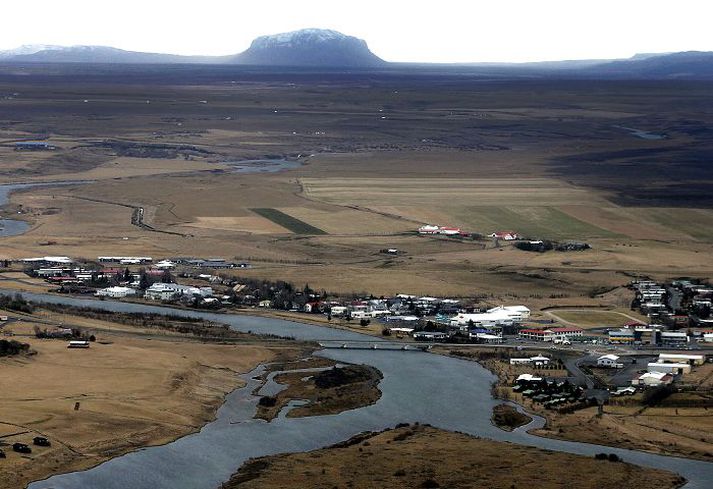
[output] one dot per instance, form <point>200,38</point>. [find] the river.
<point>445,392</point>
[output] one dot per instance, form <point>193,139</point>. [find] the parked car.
<point>21,448</point>
<point>41,441</point>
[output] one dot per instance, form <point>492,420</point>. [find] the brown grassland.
<point>135,387</point>
<point>421,456</point>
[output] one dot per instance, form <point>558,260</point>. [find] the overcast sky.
<point>396,30</point>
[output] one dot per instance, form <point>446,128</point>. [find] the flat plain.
<point>379,156</point>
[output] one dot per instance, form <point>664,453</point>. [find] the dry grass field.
<point>420,456</point>
<point>134,388</point>
<point>588,318</point>
<point>684,432</point>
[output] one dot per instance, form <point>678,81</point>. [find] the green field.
<point>697,223</point>
<point>533,222</point>
<point>286,221</point>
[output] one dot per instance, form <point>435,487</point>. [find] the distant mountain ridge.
<point>324,48</point>
<point>683,65</point>
<point>96,54</point>
<point>306,47</point>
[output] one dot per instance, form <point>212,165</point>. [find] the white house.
<point>338,310</point>
<point>428,229</point>
<point>652,379</point>
<point>116,292</point>
<point>609,361</point>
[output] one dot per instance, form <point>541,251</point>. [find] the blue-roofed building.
<point>34,146</point>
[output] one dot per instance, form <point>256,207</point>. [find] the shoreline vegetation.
<point>507,418</point>
<point>422,456</point>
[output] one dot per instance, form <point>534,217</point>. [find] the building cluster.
<point>432,229</point>
<point>110,276</point>
<point>667,368</point>
<point>679,313</point>
<point>443,230</point>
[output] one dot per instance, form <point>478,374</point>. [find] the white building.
<point>682,358</point>
<point>116,292</point>
<point>537,361</point>
<point>669,368</point>
<point>674,337</point>
<point>54,260</point>
<point>494,316</point>
<point>165,265</point>
<point>609,361</point>
<point>164,292</point>
<point>431,229</point>
<point>125,259</point>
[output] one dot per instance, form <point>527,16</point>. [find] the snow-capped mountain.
<point>309,47</point>
<point>99,54</point>
<point>26,49</point>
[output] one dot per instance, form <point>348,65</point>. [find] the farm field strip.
<point>432,191</point>
<point>286,221</point>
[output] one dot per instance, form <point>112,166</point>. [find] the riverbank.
<point>134,387</point>
<point>332,390</point>
<point>673,428</point>
<point>423,456</point>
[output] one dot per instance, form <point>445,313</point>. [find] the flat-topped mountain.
<point>309,47</point>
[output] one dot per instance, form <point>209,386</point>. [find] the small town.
<point>639,355</point>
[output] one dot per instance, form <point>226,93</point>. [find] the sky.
<point>450,31</point>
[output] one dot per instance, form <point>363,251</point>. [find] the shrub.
<point>267,401</point>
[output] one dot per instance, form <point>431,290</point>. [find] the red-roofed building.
<point>64,279</point>
<point>536,334</point>
<point>568,331</point>
<point>113,271</point>
<point>549,334</point>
